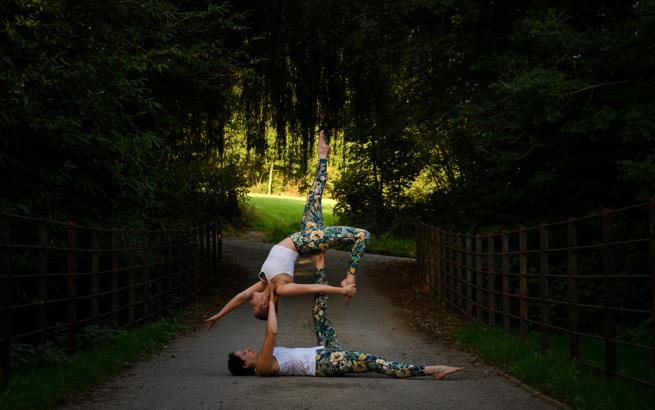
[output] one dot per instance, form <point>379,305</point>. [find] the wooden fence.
<point>58,275</point>
<point>586,282</point>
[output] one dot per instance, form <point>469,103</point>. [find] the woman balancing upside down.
<point>278,269</point>
<point>328,359</point>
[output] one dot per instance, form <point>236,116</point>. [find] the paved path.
<point>192,372</point>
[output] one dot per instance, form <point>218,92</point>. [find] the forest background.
<point>469,115</point>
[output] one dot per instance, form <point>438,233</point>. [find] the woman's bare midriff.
<point>282,279</point>
<point>287,243</point>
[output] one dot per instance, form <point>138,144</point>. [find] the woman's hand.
<point>349,290</point>
<point>211,321</point>
<point>348,281</point>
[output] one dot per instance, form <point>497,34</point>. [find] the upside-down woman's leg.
<point>312,216</point>
<point>333,236</point>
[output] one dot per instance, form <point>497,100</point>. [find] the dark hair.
<point>263,315</point>
<point>235,366</point>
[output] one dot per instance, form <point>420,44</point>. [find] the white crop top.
<point>280,260</point>
<point>296,361</point>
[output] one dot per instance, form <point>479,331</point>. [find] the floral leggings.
<point>313,237</point>
<point>333,361</point>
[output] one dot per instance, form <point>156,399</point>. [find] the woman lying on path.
<point>328,359</point>
<point>278,269</point>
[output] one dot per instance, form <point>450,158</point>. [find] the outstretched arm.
<point>235,302</point>
<point>296,289</point>
<point>266,364</point>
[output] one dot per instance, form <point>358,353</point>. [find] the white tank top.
<point>280,260</point>
<point>298,361</point>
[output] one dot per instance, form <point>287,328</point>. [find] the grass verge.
<point>48,385</point>
<point>553,372</point>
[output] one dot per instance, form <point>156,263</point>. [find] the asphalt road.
<point>191,373</point>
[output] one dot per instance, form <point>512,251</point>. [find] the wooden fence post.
<point>95,281</point>
<point>460,292</point>
<point>572,272</point>
<point>115,262</point>
<point>609,323</point>
<point>5,297</point>
<point>72,284</point>
<point>438,277</point>
<point>147,294</point>
<point>428,257</point>
<point>436,261</point>
<point>159,255</point>
<point>131,266</point>
<point>450,271</point>
<point>523,282</point>
<point>212,249</point>
<point>469,277</point>
<point>195,247</point>
<point>543,286</point>
<point>209,270</point>
<point>505,273</point>
<point>197,278</point>
<point>188,272</point>
<point>219,245</point>
<point>170,270</point>
<point>423,261</point>
<point>491,278</point>
<point>478,276</point>
<point>43,280</point>
<point>651,217</point>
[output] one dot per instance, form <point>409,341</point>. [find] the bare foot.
<point>323,148</point>
<point>439,372</point>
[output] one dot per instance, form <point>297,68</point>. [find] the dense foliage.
<point>474,113</point>
<point>112,111</point>
<point>468,114</point>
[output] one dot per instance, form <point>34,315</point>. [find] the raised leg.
<point>312,216</point>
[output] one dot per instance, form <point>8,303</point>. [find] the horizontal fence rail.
<point>586,282</point>
<point>59,277</point>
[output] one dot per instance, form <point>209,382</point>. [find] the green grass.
<point>557,375</point>
<point>278,216</point>
<point>46,386</point>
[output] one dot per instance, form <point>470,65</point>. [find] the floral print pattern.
<point>316,240</point>
<point>337,363</point>
<point>333,361</point>
<point>325,335</point>
<point>313,237</point>
<point>312,216</point>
